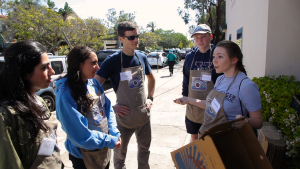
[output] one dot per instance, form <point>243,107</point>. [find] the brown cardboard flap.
<point>220,128</point>
<point>253,148</point>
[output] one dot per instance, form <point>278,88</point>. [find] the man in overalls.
<point>198,77</point>
<point>126,70</point>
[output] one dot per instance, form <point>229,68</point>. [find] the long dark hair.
<point>234,51</point>
<point>77,56</point>
<point>15,89</point>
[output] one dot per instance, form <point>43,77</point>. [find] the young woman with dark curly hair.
<point>27,128</point>
<point>85,113</point>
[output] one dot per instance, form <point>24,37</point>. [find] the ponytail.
<point>234,51</point>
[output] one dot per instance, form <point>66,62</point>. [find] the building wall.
<point>283,56</point>
<point>252,16</point>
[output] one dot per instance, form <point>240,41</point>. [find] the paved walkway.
<point>167,121</point>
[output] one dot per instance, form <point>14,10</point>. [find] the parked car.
<point>175,52</point>
<point>162,58</point>
<point>59,65</point>
<point>102,55</point>
<point>182,53</point>
<point>143,52</point>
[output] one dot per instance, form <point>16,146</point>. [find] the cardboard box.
<point>223,147</point>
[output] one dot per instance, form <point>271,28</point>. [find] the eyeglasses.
<point>132,37</point>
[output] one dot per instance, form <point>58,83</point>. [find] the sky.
<point>163,12</point>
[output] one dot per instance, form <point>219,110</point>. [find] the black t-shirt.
<point>111,67</point>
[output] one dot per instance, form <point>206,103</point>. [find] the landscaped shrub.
<point>276,96</point>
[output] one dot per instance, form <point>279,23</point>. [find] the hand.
<point>148,104</point>
<point>118,143</point>
<point>121,110</point>
<point>183,100</point>
<point>240,124</point>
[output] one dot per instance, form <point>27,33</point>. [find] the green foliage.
<point>276,97</point>
<point>148,39</point>
<point>63,50</point>
<point>34,23</point>
<point>210,12</point>
<point>170,39</point>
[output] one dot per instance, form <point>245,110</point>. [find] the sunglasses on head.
<point>132,37</point>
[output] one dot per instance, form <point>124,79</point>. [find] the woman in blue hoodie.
<point>85,113</point>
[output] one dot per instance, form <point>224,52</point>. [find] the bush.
<point>276,97</point>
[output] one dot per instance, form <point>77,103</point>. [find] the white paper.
<point>215,105</point>
<point>102,98</point>
<point>206,77</point>
<point>126,75</point>
<point>47,147</point>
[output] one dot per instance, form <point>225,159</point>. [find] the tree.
<point>33,23</point>
<point>51,5</point>
<point>151,25</point>
<point>114,19</point>
<point>66,11</point>
<point>148,39</point>
<point>170,39</point>
<point>210,12</point>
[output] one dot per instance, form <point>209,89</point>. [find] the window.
<point>239,37</point>
<point>229,36</point>
<point>57,66</point>
<point>239,34</point>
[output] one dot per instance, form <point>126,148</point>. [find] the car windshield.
<point>182,51</point>
<point>103,55</point>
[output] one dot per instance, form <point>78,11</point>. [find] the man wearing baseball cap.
<point>198,77</point>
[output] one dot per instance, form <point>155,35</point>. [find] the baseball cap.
<point>171,51</point>
<point>202,28</point>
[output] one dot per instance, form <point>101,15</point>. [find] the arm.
<point>188,100</point>
<point>100,79</point>
<point>151,88</point>
<point>186,76</point>
<point>255,120</point>
<point>151,84</point>
<point>9,156</point>
<point>250,98</point>
<point>73,122</point>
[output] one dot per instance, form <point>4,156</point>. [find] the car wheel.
<point>49,100</point>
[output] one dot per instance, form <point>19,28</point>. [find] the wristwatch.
<point>150,97</point>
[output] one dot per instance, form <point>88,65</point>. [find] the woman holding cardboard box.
<point>234,95</point>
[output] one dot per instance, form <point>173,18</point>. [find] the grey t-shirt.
<point>248,94</point>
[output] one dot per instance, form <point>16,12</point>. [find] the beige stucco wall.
<point>253,17</point>
<point>283,56</point>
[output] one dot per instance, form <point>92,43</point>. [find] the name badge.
<point>206,77</point>
<point>46,147</point>
<point>215,105</point>
<point>126,75</point>
<point>102,99</point>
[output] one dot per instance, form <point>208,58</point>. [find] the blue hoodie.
<point>76,125</point>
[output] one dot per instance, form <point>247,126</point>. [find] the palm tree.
<point>51,5</point>
<point>151,25</point>
<point>66,11</point>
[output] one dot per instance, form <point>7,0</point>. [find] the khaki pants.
<point>143,137</point>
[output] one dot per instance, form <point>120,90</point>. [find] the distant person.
<point>85,113</point>
<point>198,77</point>
<point>27,127</point>
<point>171,61</point>
<point>126,70</point>
<point>234,95</point>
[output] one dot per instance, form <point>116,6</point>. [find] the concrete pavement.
<point>167,121</point>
